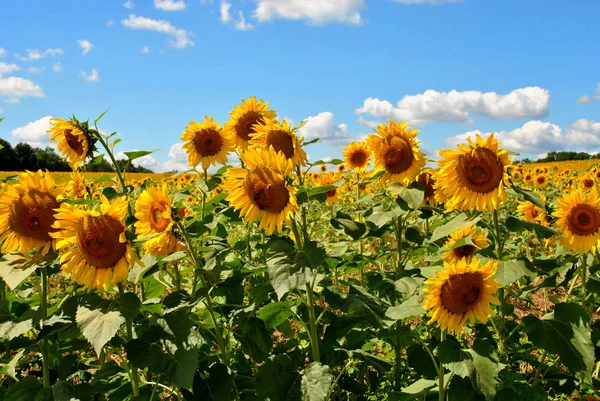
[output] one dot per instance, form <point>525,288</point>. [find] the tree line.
<point>561,157</point>
<point>26,157</point>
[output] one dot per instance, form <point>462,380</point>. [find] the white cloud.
<point>145,49</point>
<point>34,133</point>
<point>85,45</point>
<point>110,22</point>
<point>433,106</point>
<point>426,1</point>
<point>584,133</point>
<point>240,24</point>
<point>1,110</point>
<point>6,68</point>
<point>170,5</point>
<point>16,88</point>
<point>3,52</point>
<point>225,14</point>
<point>33,54</point>
<point>92,76</point>
<point>317,12</point>
<point>323,126</point>
<point>128,4</point>
<point>57,67</point>
<point>36,70</point>
<point>12,100</point>
<point>180,38</point>
<point>367,123</point>
<point>589,98</point>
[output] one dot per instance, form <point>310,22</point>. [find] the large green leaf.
<point>97,327</point>
<point>24,390</point>
<point>458,223</point>
<point>278,380</point>
<point>216,386</point>
<point>137,154</point>
<point>510,271</point>
<point>14,269</point>
<point>10,329</point>
<point>354,229</point>
<point>412,196</point>
<point>275,313</point>
<point>409,308</point>
<point>316,381</point>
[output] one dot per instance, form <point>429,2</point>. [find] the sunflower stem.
<point>314,338</point>
<point>44,343</point>
<point>501,294</point>
<point>177,277</point>
<point>583,279</point>
<point>441,388</point>
<point>248,247</point>
<point>398,230</point>
<point>132,371</point>
<point>297,236</point>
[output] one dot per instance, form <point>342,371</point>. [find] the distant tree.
<point>26,156</point>
<point>8,158</point>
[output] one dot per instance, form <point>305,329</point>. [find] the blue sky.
<point>529,70</point>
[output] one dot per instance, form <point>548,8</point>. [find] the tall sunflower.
<point>456,254</point>
<point>76,187</point>
<point>333,195</point>
<point>260,191</point>
<point>206,143</point>
<point>74,140</point>
<point>357,156</point>
<point>396,151</point>
<point>94,247</point>
<point>280,137</point>
<point>460,293</point>
<point>579,220</point>
<point>426,179</point>
<point>533,213</point>
<point>27,213</point>
<point>240,126</point>
<point>155,217</point>
<point>474,176</point>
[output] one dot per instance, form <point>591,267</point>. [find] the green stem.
<point>499,255</point>
<point>539,368</point>
<point>398,230</point>
<point>116,166</point>
<point>337,379</point>
<point>299,241</point>
<point>218,333</point>
<point>133,373</point>
<point>441,388</point>
<point>583,279</point>
<point>177,276</point>
<point>314,338</point>
<point>44,343</point>
<point>249,232</point>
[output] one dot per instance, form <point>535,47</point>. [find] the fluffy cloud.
<point>85,45</point>
<point>128,4</point>
<point>225,14</point>
<point>584,133</point>
<point>6,68</point>
<point>145,49</point>
<point>323,126</point>
<point>170,5</point>
<point>36,70</point>
<point>240,24</point>
<point>16,88</point>
<point>433,106</point>
<point>33,54</point>
<point>317,12</point>
<point>3,52</point>
<point>426,1</point>
<point>57,67</point>
<point>589,98</point>
<point>180,38</point>
<point>34,133</point>
<point>92,76</point>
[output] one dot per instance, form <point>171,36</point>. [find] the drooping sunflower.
<point>27,213</point>
<point>474,176</point>
<point>206,143</point>
<point>280,137</point>
<point>333,195</point>
<point>396,151</point>
<point>260,191</point>
<point>94,247</point>
<point>357,156</point>
<point>579,220</point>
<point>426,179</point>
<point>74,140</point>
<point>155,218</point>
<point>533,213</point>
<point>460,293</point>
<point>76,187</point>
<point>478,239</point>
<point>243,119</point>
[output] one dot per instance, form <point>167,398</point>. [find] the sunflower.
<point>74,140</point>
<point>528,178</point>
<point>76,187</point>
<point>541,181</point>
<point>260,191</point>
<point>475,176</point>
<point>460,293</point>
<point>587,181</point>
<point>94,247</point>
<point>357,156</point>
<point>155,218</point>
<point>396,151</point>
<point>280,137</point>
<point>426,179</point>
<point>533,213</point>
<point>478,239</point>
<point>579,220</point>
<point>206,142</point>
<point>341,168</point>
<point>333,195</point>
<point>240,126</point>
<point>27,213</point>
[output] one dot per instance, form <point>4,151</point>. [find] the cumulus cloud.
<point>225,14</point>
<point>33,54</point>
<point>85,45</point>
<point>170,5</point>
<point>317,12</point>
<point>34,133</point>
<point>6,68</point>
<point>16,88</point>
<point>240,24</point>
<point>92,76</point>
<point>585,99</point>
<point>3,52</point>
<point>426,1</point>
<point>36,70</point>
<point>128,4</point>
<point>433,106</point>
<point>180,38</point>
<point>145,49</point>
<point>323,126</point>
<point>57,67</point>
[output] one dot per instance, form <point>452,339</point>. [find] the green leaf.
<point>316,381</point>
<point>137,154</point>
<point>214,387</point>
<point>129,304</point>
<point>458,223</point>
<point>565,333</point>
<point>97,327</point>
<point>315,140</point>
<point>529,196</point>
<point>517,225</point>
<point>24,390</point>
<point>10,330</point>
<point>100,117</point>
<point>278,380</point>
<point>510,271</point>
<point>412,196</point>
<point>275,313</point>
<point>353,228</point>
<point>103,178</point>
<point>409,308</point>
<point>419,360</point>
<point>286,274</point>
<point>11,271</point>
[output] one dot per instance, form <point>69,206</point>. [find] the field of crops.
<point>367,277</point>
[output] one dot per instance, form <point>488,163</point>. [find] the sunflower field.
<point>380,275</point>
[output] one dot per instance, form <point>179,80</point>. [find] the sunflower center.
<point>331,193</point>
<point>481,171</point>
<point>157,221</point>
<point>427,182</point>
<point>32,215</point>
<point>98,241</point>
<point>465,251</point>
<point>588,183</point>
<point>243,128</point>
<point>282,142</point>
<point>73,142</point>
<point>461,292</point>
<point>208,142</point>
<point>359,158</point>
<point>584,219</point>
<point>398,157</point>
<point>268,195</point>
<point>534,212</point>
